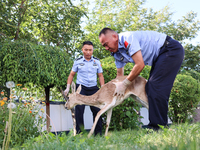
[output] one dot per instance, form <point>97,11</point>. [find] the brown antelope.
<point>106,101</point>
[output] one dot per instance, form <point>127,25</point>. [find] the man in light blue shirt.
<point>87,70</point>
<point>87,67</point>
<point>161,52</point>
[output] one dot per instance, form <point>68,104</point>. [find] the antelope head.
<point>72,101</point>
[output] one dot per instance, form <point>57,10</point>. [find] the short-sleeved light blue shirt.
<point>87,71</point>
<point>149,42</point>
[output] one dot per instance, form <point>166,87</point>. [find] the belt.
<point>166,41</point>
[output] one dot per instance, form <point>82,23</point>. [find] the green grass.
<point>179,137</point>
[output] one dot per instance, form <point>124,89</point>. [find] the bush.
<point>184,98</point>
<point>26,120</point>
<point>24,124</point>
<point>110,70</point>
<point>193,73</point>
<point>25,62</point>
<point>123,116</point>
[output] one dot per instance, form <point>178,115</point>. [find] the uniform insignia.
<point>127,45</point>
<point>81,64</point>
<point>95,58</point>
<point>94,64</point>
<point>120,43</point>
<point>79,58</point>
<point>122,58</point>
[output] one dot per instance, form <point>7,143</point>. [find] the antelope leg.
<point>74,120</point>
<point>109,114</point>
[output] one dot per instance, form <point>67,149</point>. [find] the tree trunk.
<point>47,91</point>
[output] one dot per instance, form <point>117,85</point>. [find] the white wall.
<point>61,119</point>
<point>145,114</point>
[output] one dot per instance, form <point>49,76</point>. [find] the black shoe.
<point>98,134</point>
<point>151,129</point>
<point>155,128</point>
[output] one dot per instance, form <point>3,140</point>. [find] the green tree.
<point>192,57</point>
<point>24,62</point>
<point>55,22</point>
<point>129,15</point>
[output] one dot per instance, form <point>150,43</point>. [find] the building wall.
<point>61,119</point>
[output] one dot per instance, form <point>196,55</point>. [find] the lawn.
<point>177,137</point>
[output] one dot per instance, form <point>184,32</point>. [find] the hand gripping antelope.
<point>105,100</point>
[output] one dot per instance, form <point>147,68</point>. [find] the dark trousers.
<point>162,75</point>
<point>79,111</point>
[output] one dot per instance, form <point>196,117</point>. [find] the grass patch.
<point>177,137</point>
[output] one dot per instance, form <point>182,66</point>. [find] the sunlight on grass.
<point>184,136</point>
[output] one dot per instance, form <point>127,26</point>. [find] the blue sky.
<point>179,7</point>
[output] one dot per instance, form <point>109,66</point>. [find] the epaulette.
<point>120,43</point>
<point>95,58</point>
<point>79,58</point>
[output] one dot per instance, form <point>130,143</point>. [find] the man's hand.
<point>102,85</point>
<point>67,90</point>
<point>121,87</point>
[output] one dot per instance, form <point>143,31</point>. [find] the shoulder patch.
<point>79,58</point>
<point>120,43</point>
<point>126,44</point>
<point>95,58</point>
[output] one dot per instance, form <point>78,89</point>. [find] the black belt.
<point>166,41</point>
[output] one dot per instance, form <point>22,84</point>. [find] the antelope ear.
<point>73,87</point>
<point>79,89</point>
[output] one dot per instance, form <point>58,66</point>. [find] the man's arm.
<point>69,81</point>
<point>120,71</point>
<point>101,79</point>
<point>138,67</point>
<point>71,76</point>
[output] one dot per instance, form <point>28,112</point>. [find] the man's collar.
<point>120,44</point>
<point>89,60</point>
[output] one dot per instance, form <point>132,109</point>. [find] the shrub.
<point>124,115</point>
<point>26,120</point>
<point>184,98</point>
<point>110,70</point>
<point>193,73</point>
<point>24,62</point>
